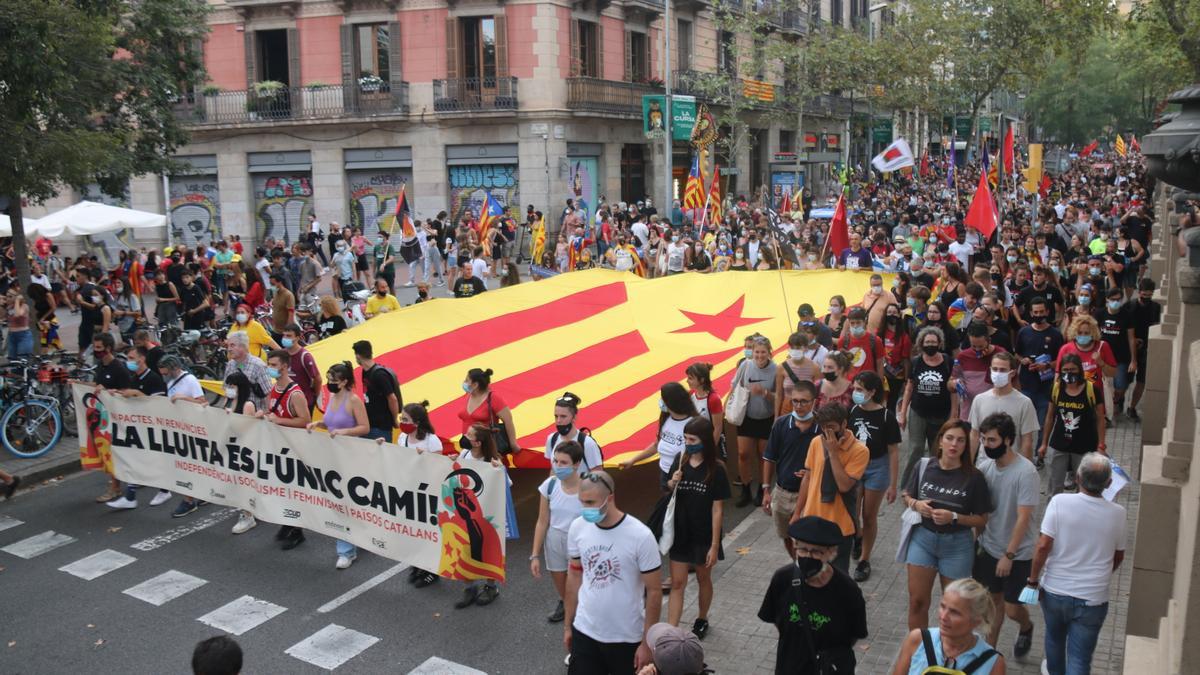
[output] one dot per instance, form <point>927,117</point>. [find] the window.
<point>787,140</point>
<point>372,50</point>
<point>589,49</point>
<point>835,12</point>
<point>639,57</point>
<point>479,48</point>
<point>760,58</point>
<point>683,37</point>
<point>727,55</point>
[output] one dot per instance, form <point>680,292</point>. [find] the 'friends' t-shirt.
<point>960,490</point>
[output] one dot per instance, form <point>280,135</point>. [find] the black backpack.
<point>584,434</point>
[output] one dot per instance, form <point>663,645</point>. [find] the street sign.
<point>730,171</point>
<point>783,157</point>
<point>881,130</point>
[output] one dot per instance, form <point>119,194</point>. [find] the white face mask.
<point>1000,378</point>
<point>795,354</point>
<point>231,392</point>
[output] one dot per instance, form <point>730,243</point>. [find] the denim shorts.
<point>1121,379</point>
<point>951,554</point>
<point>878,476</point>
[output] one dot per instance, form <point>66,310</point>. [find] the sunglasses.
<point>601,479</point>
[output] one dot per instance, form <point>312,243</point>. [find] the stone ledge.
<point>1141,655</point>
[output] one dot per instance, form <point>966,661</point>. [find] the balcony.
<point>474,94</point>
<point>293,104</point>
<point>720,90</point>
<point>608,97</point>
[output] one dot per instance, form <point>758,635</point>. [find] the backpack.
<point>395,384</point>
<point>584,434</point>
<point>1087,386</point>
<point>934,669</point>
<point>844,344</point>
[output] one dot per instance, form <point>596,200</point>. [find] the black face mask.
<point>930,350</point>
<point>1071,378</point>
<point>333,387</point>
<point>994,453</point>
<point>809,567</point>
<point>1039,320</point>
<point>381,293</point>
<point>893,319</point>
<point>830,376</point>
<point>563,429</point>
<point>464,443</point>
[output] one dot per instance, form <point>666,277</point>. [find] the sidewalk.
<point>739,643</point>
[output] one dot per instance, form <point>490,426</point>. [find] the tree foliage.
<point>1177,21</point>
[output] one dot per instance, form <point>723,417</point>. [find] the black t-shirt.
<point>331,325</point>
<point>1032,343</point>
<point>923,279</point>
<point>1144,316</point>
<point>149,383</point>
<point>955,490</point>
<point>1052,295</point>
<point>694,498</point>
<point>378,384</point>
<point>93,294</point>
<point>192,296</point>
<point>876,429</point>
<point>114,375</point>
<point>153,356</point>
<point>835,613</point>
<point>1075,421</point>
<point>465,288</point>
<point>931,396</point>
<point>1114,329</point>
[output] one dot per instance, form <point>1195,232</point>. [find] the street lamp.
<point>1172,151</point>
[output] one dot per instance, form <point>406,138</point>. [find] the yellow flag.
<point>1119,145</point>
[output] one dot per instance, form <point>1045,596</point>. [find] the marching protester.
<point>145,381</point>
<point>417,432</point>
<point>965,612</point>
<point>792,370</point>
<point>929,397</point>
<point>381,392</point>
<point>835,386</point>
<point>757,374</point>
<point>1146,312</point>
<point>261,341</point>
<point>1037,345</point>
<point>287,407</point>
<point>875,426</point>
<point>785,458</point>
<point>1075,424</point>
<point>238,392</point>
<point>111,374</point>
<point>238,345</point>
<point>566,410</point>
<point>558,507</point>
<point>1004,398</point>
<point>345,415</point>
<point>707,401</point>
<point>487,407</point>
<point>478,445</point>
<point>675,411</point>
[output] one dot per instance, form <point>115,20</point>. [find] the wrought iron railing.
<point>294,103</point>
<point>607,96</point>
<point>470,94</point>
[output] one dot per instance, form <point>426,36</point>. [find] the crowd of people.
<point>948,389</point>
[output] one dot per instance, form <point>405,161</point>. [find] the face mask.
<point>812,257</point>
<point>933,240</point>
<point>662,405</point>
<point>1000,378</point>
<point>830,376</point>
<point>464,443</point>
<point>748,353</point>
<point>381,293</point>
<point>997,278</point>
<point>892,319</point>
<point>231,392</point>
<point>287,343</point>
<point>994,453</point>
<point>858,331</point>
<point>1094,271</point>
<point>333,387</point>
<point>859,397</point>
<point>809,567</point>
<point>1071,378</point>
<point>273,373</point>
<point>876,290</point>
<point>1085,300</point>
<point>1055,269</point>
<point>930,350</point>
<point>1114,305</point>
<point>802,418</point>
<point>563,429</point>
<point>243,317</point>
<point>692,449</point>
<point>739,255</point>
<point>131,365</point>
<point>563,472</point>
<point>1083,340</point>
<point>466,387</point>
<point>912,302</point>
<point>408,427</point>
<point>1011,259</point>
<point>1039,320</point>
<point>592,514</point>
<point>795,354</point>
<point>835,310</point>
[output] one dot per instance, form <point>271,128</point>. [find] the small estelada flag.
<point>894,157</point>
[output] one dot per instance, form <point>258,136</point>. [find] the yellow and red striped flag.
<point>714,198</point>
<point>693,190</point>
<point>1119,146</point>
<point>610,337</point>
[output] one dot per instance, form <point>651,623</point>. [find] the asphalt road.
<point>366,619</point>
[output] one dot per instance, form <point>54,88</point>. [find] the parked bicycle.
<point>31,423</point>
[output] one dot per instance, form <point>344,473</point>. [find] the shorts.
<point>783,504</point>
<point>1011,586</point>
<point>686,552</point>
<point>589,656</point>
<point>878,476</point>
<point>756,428</point>
<point>1121,378</point>
<point>360,263</point>
<point>500,250</point>
<point>555,550</point>
<point>952,554</point>
<point>1140,377</point>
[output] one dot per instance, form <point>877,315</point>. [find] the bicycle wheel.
<point>203,372</point>
<point>66,410</point>
<point>30,428</point>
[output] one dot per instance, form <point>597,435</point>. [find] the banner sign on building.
<point>423,509</point>
<point>683,116</point>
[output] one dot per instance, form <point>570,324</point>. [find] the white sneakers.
<point>122,502</point>
<point>160,497</point>
<point>345,561</point>
<point>245,523</point>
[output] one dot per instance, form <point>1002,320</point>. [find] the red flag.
<point>839,229</point>
<point>404,215</point>
<point>982,214</point>
<point>925,164</point>
<point>1133,143</point>
<point>787,202</point>
<point>1009,151</point>
<point>1089,148</point>
<point>1044,186</point>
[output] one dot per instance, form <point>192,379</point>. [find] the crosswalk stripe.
<point>362,588</point>
<point>241,615</point>
<point>8,522</point>
<point>97,564</point>
<point>177,533</point>
<point>38,544</point>
<point>331,646</point>
<point>438,666</point>
<point>165,587</point>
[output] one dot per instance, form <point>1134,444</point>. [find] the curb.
<point>59,469</point>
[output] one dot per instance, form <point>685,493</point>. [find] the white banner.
<point>426,510</point>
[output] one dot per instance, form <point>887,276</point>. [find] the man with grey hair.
<point>255,370</point>
<point>1082,544</point>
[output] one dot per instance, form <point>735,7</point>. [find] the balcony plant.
<point>369,83</point>
<point>210,90</point>
<point>264,97</point>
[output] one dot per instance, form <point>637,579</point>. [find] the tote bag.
<point>739,398</point>
<point>910,518</point>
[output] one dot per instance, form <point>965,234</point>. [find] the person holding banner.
<point>240,360</point>
<point>345,415</point>
<point>287,407</point>
<point>416,432</point>
<point>145,382</point>
<point>478,446</point>
<point>558,507</point>
<point>238,391</point>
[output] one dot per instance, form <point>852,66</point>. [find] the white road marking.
<point>8,522</point>
<point>97,564</point>
<point>362,588</point>
<point>241,615</point>
<point>438,666</point>
<point>331,646</point>
<point>165,587</point>
<point>177,533</point>
<point>38,544</point>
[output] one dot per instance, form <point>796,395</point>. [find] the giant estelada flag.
<point>611,338</point>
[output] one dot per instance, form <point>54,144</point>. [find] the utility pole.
<point>669,138</point>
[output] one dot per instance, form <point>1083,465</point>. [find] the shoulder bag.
<point>910,518</point>
<point>739,398</point>
<point>499,430</point>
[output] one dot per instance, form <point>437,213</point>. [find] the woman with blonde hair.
<point>331,322</point>
<point>1099,362</point>
<point>957,643</point>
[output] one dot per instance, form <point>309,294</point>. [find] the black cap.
<point>816,530</point>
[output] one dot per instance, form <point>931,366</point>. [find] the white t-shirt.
<point>480,269</point>
<point>315,226</point>
<point>592,457</point>
<point>264,270</point>
<point>611,606</point>
<point>675,255</point>
<point>817,355</point>
<point>670,441</point>
<point>962,252</point>
<point>564,506</point>
<point>185,385</point>
<point>641,234</point>
<point>431,443</point>
<point>1017,405</point>
<point>1087,531</point>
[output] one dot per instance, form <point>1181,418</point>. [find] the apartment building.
<point>331,107</point>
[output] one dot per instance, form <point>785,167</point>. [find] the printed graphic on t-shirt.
<point>603,568</point>
<point>930,382</point>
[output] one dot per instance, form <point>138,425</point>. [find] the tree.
<point>1181,19</point>
<point>86,94</point>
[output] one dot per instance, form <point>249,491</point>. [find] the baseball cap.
<point>674,650</point>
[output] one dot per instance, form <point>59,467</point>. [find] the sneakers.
<point>345,561</point>
<point>856,550</point>
<point>10,488</point>
<point>244,524</point>
<point>408,285</point>
<point>488,595</point>
<point>1024,643</point>
<point>862,571</point>
<point>414,573</point>
<point>160,497</point>
<point>744,499</point>
<point>558,614</point>
<point>700,628</point>
<point>185,507</point>
<point>122,503</point>
<point>1132,414</point>
<point>292,539</point>
<point>425,579</point>
<point>470,595</point>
